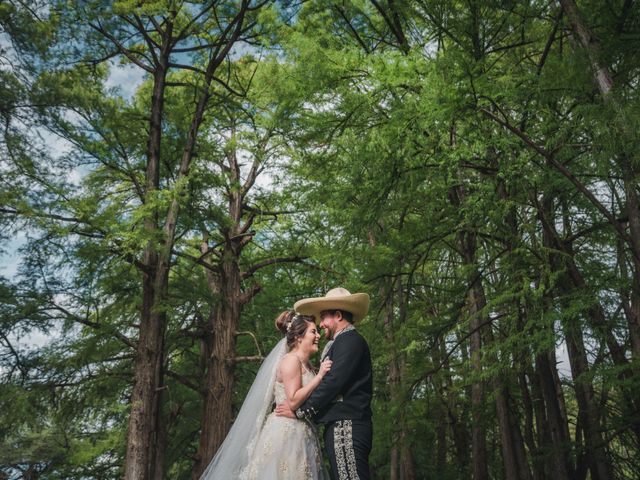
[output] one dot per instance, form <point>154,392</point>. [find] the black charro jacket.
<point>345,391</point>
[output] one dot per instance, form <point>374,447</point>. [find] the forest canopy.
<point>174,174</point>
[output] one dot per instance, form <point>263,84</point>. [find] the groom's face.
<point>329,322</point>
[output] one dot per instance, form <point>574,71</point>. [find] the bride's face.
<point>309,341</point>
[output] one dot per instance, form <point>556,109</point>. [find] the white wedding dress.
<point>261,445</point>
<point>286,448</point>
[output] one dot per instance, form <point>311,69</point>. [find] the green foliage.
<point>406,149</point>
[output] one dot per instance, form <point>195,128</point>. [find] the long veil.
<point>236,450</point>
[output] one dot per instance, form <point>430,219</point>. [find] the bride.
<point>261,444</point>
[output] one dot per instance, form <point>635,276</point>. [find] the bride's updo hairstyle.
<point>293,325</point>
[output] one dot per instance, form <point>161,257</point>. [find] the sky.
<point>125,79</point>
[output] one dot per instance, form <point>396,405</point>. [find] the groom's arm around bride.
<point>342,400</point>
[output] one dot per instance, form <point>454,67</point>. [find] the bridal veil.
<point>236,450</point>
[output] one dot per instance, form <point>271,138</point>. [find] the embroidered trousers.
<point>348,444</point>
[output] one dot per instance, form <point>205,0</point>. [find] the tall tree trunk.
<point>510,428</point>
<point>511,442</point>
<point>220,351</point>
<point>524,471</point>
<point>515,465</point>
<point>144,398</point>
<point>157,470</point>
<point>458,428</point>
<point>407,467</point>
<point>587,408</point>
<point>594,313</point>
<point>585,396</point>
<point>509,459</point>
<point>558,429</point>
<point>148,364</point>
<point>225,283</point>
<point>394,380</point>
<point>528,401</point>
<point>466,242</point>
<point>149,355</point>
<point>604,80</point>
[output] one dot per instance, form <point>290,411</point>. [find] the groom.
<point>342,401</point>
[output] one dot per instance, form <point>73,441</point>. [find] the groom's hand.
<point>283,410</point>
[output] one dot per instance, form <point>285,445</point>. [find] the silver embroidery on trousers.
<point>350,453</point>
<point>343,447</point>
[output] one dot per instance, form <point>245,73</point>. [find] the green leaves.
<point>433,154</point>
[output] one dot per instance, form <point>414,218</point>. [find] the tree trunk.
<point>560,448</point>
<point>394,379</point>
<point>524,471</point>
<point>514,454</point>
<point>587,408</point>
<point>601,73</point>
<point>506,439</point>
<point>441,442</point>
<point>458,429</point>
<point>467,248</point>
<point>219,341</point>
<point>632,312</point>
<point>407,469</point>
<point>604,80</point>
<point>527,405</point>
<point>219,350</point>
<point>144,398</point>
<point>158,468</point>
<point>466,241</point>
<point>149,356</point>
<point>511,442</point>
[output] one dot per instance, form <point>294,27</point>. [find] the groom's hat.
<point>335,299</point>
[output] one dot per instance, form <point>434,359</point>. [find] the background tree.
<point>470,165</point>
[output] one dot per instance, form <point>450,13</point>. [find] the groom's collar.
<point>327,347</point>
<point>348,328</point>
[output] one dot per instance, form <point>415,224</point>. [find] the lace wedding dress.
<point>286,448</point>
<point>261,445</point>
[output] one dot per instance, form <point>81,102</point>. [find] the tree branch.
<point>19,364</point>
<point>255,340</point>
<point>199,260</point>
<point>248,358</point>
<point>125,51</point>
<point>247,295</point>
<point>270,261</point>
<point>95,325</point>
<point>355,33</point>
<point>564,171</point>
<point>185,381</point>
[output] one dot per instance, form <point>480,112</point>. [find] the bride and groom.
<point>283,444</point>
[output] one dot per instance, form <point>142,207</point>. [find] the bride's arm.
<point>291,374</point>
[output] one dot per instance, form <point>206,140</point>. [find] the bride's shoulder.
<point>289,363</point>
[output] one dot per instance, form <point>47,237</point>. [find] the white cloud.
<point>125,79</point>
<point>10,260</point>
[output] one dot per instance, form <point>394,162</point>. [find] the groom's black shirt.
<point>345,391</point>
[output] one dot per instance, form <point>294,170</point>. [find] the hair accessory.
<point>296,317</point>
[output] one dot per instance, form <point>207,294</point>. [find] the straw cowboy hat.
<point>335,299</point>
